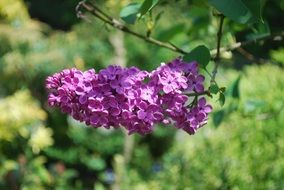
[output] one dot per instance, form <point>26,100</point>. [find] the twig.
<point>215,53</point>
<point>219,37</point>
<point>206,92</point>
<point>100,11</point>
<point>275,37</point>
<point>116,24</point>
<point>217,57</point>
<point>258,60</point>
<point>250,56</point>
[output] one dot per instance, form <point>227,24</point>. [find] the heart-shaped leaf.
<point>233,89</point>
<point>200,54</point>
<point>129,13</point>
<point>218,117</point>
<point>233,9</point>
<point>222,99</point>
<point>214,89</point>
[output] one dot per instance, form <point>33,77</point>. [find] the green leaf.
<point>278,55</point>
<point>222,99</point>
<point>200,54</point>
<point>147,6</point>
<point>129,13</point>
<point>233,89</point>
<point>158,17</point>
<point>95,163</point>
<point>218,117</point>
<point>222,89</point>
<point>255,7</point>
<point>214,89</point>
<point>233,9</point>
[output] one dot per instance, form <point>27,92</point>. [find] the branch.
<point>219,37</point>
<point>206,92</point>
<point>217,57</point>
<point>252,58</point>
<point>97,12</point>
<point>276,37</point>
<point>215,53</point>
<point>94,10</point>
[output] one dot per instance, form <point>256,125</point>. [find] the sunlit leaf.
<point>214,89</point>
<point>95,163</point>
<point>233,89</point>
<point>255,7</point>
<point>218,117</point>
<point>233,9</point>
<point>278,55</point>
<point>129,13</point>
<point>222,99</point>
<point>147,6</point>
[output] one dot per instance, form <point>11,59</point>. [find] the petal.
<point>201,102</point>
<point>158,116</point>
<point>199,87</point>
<point>167,89</point>
<point>180,99</point>
<point>191,78</point>
<point>115,111</point>
<point>66,109</point>
<point>126,84</point>
<point>64,99</point>
<point>142,105</point>
<point>183,85</point>
<point>166,121</point>
<point>103,120</point>
<point>207,109</point>
<point>141,114</point>
<point>120,90</point>
<point>190,87</point>
<point>95,105</point>
<point>76,80</point>
<point>188,128</point>
<point>61,91</point>
<point>94,120</point>
<point>79,90</point>
<point>112,102</point>
<point>201,116</point>
<point>83,99</point>
<point>125,114</point>
<point>200,78</point>
<point>67,80</point>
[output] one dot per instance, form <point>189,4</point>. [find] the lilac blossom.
<point>131,98</point>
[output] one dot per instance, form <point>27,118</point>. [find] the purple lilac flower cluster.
<point>131,98</point>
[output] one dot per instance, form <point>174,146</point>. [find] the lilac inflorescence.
<point>131,98</point>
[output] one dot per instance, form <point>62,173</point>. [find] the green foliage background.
<point>41,148</point>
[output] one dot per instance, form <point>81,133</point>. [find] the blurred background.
<point>242,147</point>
